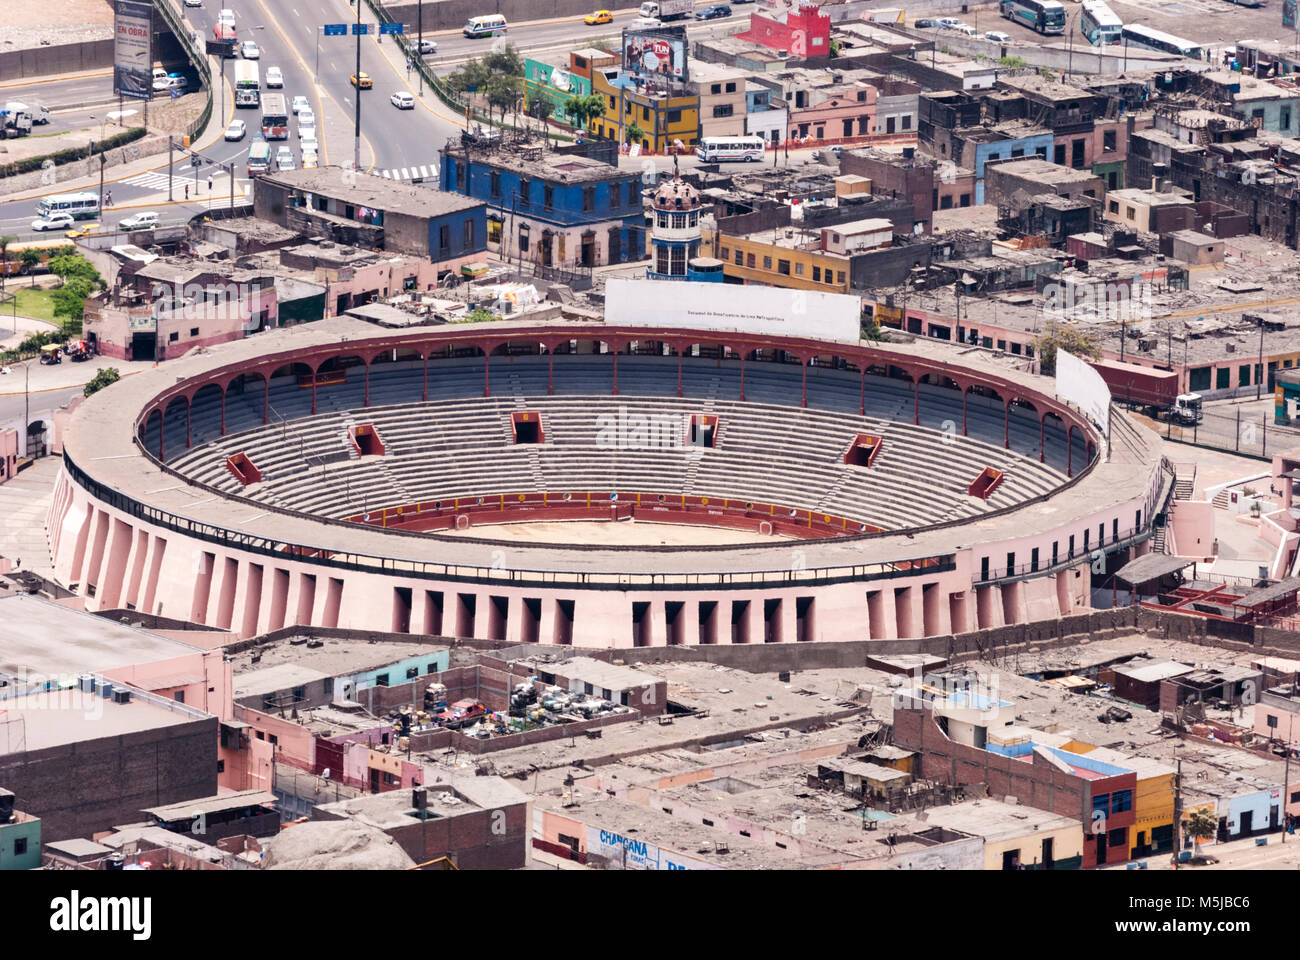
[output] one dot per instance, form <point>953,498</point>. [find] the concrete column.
<point>688,623</point>
<point>789,620</point>
<point>514,618</point>
<point>546,629</point>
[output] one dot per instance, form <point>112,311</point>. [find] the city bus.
<point>1045,16</point>
<point>730,148</point>
<point>80,206</point>
<point>1139,36</point>
<point>1099,24</point>
<point>259,157</point>
<point>275,117</point>
<point>488,26</point>
<point>247,84</point>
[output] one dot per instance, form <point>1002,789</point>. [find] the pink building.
<point>797,27</point>
<point>844,111</point>
<point>8,454</point>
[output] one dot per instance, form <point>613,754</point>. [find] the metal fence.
<point>1232,431</point>
<point>197,56</point>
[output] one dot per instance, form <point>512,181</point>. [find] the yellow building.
<point>783,257</point>
<point>1153,799</point>
<point>1015,836</point>
<point>662,118</point>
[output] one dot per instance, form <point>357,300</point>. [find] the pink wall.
<point>1193,528</point>
<point>8,454</point>
<point>294,745</point>
<point>211,693</point>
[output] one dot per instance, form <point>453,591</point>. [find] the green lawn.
<point>34,302</point>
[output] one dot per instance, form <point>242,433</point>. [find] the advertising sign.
<point>656,53</point>
<point>733,307</point>
<point>1289,13</point>
<point>1080,384</point>
<point>133,50</point>
<point>628,853</point>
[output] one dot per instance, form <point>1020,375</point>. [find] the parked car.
<point>300,103</point>
<point>141,221</point>
<point>236,130</point>
<point>997,36</point>
<point>949,23</point>
<point>274,78</point>
<point>428,46</point>
<point>402,100</point>
<point>250,50</point>
<point>599,16</point>
<point>925,24</point>
<point>55,221</point>
<point>461,713</point>
<point>716,12</point>
<point>365,82</point>
<point>967,30</point>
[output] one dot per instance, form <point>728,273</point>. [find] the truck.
<point>1149,390</point>
<point>40,115</point>
<point>667,9</point>
<point>15,123</point>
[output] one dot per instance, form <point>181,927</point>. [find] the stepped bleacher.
<point>769,449</point>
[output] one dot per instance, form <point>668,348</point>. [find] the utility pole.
<point>419,43</point>
<point>1178,812</point>
<point>169,168</point>
<point>356,147</point>
<point>1259,371</point>
<point>102,161</point>
<point>1286,782</point>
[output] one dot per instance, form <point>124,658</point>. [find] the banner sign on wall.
<point>628,853</point>
<point>133,50</point>
<point>733,307</point>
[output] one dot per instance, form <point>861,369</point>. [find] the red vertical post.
<point>367,402</point>
<point>862,393</point>
<point>803,401</point>
<point>424,392</point>
<point>550,373</point>
<point>266,399</point>
<point>223,413</point>
<point>679,373</point>
<point>1006,428</point>
<point>916,402</point>
<point>616,372</point>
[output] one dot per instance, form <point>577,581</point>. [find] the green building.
<point>554,83</point>
<point>20,836</point>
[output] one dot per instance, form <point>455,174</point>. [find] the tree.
<point>1070,340</point>
<point>31,258</point>
<point>634,133</point>
<point>5,240</point>
<point>870,330</point>
<point>540,108</point>
<point>68,266</point>
<point>835,49</point>
<point>70,301</point>
<point>1200,825</point>
<point>503,93</point>
<point>101,380</point>
<point>584,109</point>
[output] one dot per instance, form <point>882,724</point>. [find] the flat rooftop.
<point>996,821</point>
<point>380,193</point>
<point>558,167</point>
<point>39,721</point>
<point>393,808</point>
<point>1040,171</point>
<point>336,657</point>
<point>43,637</point>
<point>282,676</point>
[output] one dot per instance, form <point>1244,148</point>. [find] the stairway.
<point>1158,540</point>
<point>1221,499</point>
<point>1184,487</point>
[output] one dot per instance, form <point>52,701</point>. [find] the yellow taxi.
<point>85,230</point>
<point>600,16</point>
<point>365,84</point>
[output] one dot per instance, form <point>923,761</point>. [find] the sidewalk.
<point>42,378</point>
<point>26,326</point>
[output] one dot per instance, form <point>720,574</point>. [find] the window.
<point>674,116</point>
<point>468,236</point>
<point>862,96</point>
<point>1071,553</point>
<point>1108,141</point>
<point>548,197</point>
<point>631,192</point>
<point>964,200</point>
<point>328,686</point>
<point>20,846</point>
<point>716,88</point>
<point>1199,379</point>
<point>194,331</point>
<point>839,278</point>
<point>945,202</point>
<point>984,568</point>
<point>1017,152</point>
<point>907,121</point>
<point>1011,563</point>
<point>1118,838</point>
<point>173,337</point>
<point>588,199</point>
<point>1221,378</point>
<point>300,693</point>
<point>494,182</point>
<point>524,189</point>
<point>749,260</point>
<point>1272,722</point>
<point>460,176</point>
<point>612,103</point>
<point>1100,804</point>
<point>783,266</point>
<point>731,87</point>
<point>1112,206</point>
<point>523,239</point>
<point>412,673</point>
<point>679,221</point>
<point>444,239</point>
<point>221,766</point>
<point>1121,800</point>
<point>381,680</point>
<point>1128,212</point>
<point>1284,120</point>
<point>798,269</point>
<point>1056,550</point>
<point>179,696</point>
<point>1033,559</point>
<point>723,110</point>
<point>1087,534</point>
<point>817,274</point>
<point>1243,375</point>
<point>767,263</point>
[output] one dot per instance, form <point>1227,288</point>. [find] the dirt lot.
<point>30,24</point>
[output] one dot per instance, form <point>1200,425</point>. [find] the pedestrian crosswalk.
<point>158,181</point>
<point>422,172</point>
<point>155,180</point>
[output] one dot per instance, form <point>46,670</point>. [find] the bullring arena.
<point>764,488</point>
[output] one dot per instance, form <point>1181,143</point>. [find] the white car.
<point>236,130</point>
<point>250,50</point>
<point>967,30</point>
<point>306,118</point>
<point>141,221</point>
<point>307,141</point>
<point>55,221</point>
<point>193,3</point>
<point>997,36</point>
<point>300,103</point>
<point>428,46</point>
<point>226,16</point>
<point>274,78</point>
<point>402,100</point>
<point>949,23</point>
<point>284,158</point>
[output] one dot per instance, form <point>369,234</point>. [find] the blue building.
<point>675,240</point>
<point>983,144</point>
<point>555,209</point>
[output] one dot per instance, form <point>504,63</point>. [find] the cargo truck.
<point>1152,391</point>
<point>667,9</point>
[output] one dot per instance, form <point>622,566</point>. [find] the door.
<point>1247,823</point>
<point>1010,859</point>
<point>1047,853</point>
<point>589,249</point>
<point>374,781</point>
<point>1101,849</point>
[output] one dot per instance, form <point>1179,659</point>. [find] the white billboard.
<point>133,50</point>
<point>683,304</point>
<point>628,853</point>
<point>1080,384</point>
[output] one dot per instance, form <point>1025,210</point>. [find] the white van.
<point>488,26</point>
